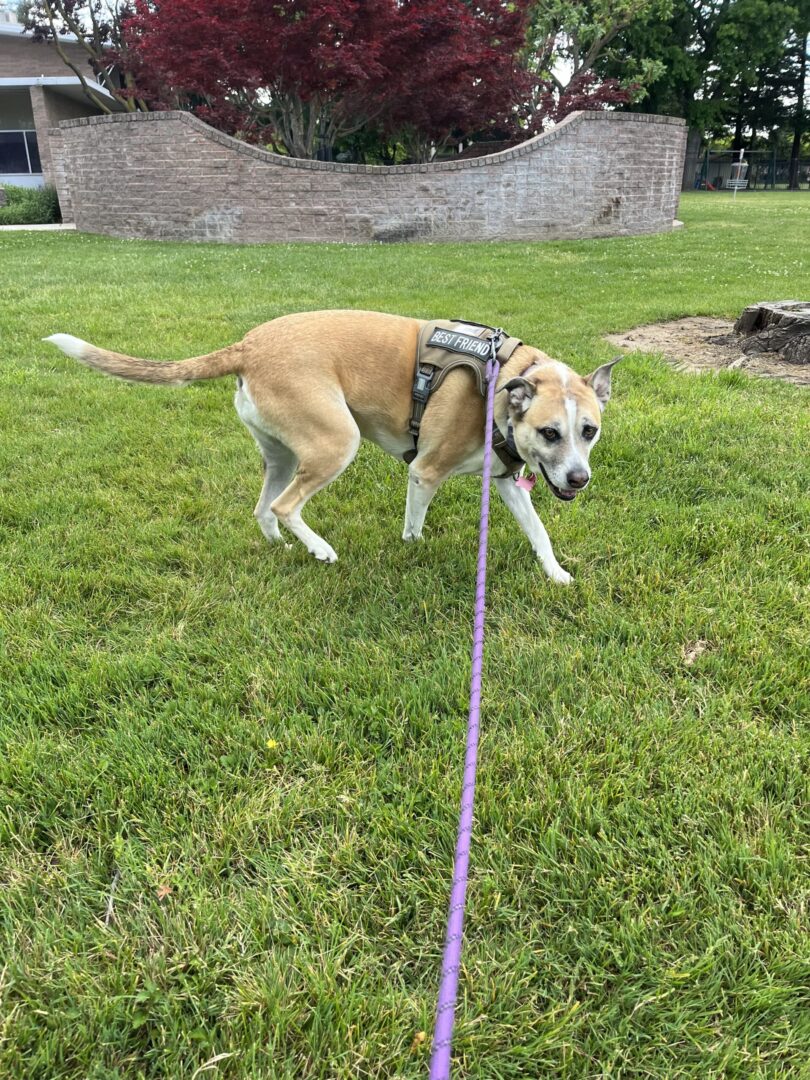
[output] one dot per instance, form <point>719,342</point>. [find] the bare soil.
<point>703,344</point>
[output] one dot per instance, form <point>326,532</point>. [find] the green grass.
<point>279,743</point>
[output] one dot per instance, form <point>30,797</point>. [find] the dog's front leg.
<point>520,503</point>
<point>422,486</point>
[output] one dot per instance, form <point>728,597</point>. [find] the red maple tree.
<point>460,73</point>
<point>585,91</point>
<point>310,73</point>
<point>314,71</point>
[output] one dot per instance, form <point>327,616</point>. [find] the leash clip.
<point>495,342</point>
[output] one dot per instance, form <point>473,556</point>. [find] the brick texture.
<point>20,57</point>
<point>169,176</point>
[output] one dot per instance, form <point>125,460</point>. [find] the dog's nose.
<point>577,478</point>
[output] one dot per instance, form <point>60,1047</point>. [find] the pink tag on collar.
<point>526,482</point>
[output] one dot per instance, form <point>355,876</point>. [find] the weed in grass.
<point>29,206</point>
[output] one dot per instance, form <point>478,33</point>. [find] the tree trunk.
<point>690,161</point>
<point>782,326</point>
<point>757,97</point>
<point>738,126</point>
<point>798,123</point>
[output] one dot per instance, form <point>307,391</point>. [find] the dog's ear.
<point>520,393</point>
<point>599,381</point>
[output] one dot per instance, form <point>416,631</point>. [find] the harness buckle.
<point>421,386</point>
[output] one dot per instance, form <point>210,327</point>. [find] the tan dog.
<point>311,385</point>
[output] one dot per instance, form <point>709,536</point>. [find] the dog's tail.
<point>227,361</point>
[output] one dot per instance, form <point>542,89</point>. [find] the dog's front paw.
<point>409,536</point>
<point>556,573</point>
<point>323,552</point>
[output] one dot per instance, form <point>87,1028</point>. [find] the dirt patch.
<point>702,344</point>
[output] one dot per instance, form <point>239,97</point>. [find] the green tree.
<point>801,50</point>
<point>97,25</point>
<point>571,38</point>
<point>750,53</point>
<point>724,65</point>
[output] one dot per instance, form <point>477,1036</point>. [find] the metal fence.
<point>759,170</point>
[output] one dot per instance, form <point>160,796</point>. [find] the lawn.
<point>229,775</point>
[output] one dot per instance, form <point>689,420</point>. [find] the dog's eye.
<point>550,434</point>
<point>588,432</point>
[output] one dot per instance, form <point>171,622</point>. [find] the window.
<point>19,152</point>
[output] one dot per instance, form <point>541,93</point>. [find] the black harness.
<point>445,346</point>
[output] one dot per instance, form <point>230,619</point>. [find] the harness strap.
<point>423,387</point>
<point>477,369</point>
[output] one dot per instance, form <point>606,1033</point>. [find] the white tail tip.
<point>69,344</point>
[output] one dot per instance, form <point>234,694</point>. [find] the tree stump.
<point>782,326</point>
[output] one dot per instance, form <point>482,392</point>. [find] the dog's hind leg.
<point>279,466</point>
<point>329,451</point>
<point>279,461</point>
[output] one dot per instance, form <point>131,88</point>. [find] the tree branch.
<point>91,94</point>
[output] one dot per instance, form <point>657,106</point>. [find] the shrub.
<point>30,206</point>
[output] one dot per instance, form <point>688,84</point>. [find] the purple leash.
<point>451,961</point>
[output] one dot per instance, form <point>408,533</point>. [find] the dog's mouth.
<point>566,494</point>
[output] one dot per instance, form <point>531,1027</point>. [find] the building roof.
<point>69,85</point>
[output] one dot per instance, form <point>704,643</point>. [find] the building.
<point>37,90</point>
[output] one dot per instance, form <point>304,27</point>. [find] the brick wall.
<point>49,107</point>
<point>169,176</point>
<point>58,173</point>
<point>20,57</point>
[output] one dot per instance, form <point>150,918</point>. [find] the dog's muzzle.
<point>578,481</point>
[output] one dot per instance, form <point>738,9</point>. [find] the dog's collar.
<point>510,444</point>
<point>504,447</point>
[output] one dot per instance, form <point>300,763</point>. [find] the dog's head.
<point>556,418</point>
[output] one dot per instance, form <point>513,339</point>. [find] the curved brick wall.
<point>169,176</point>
